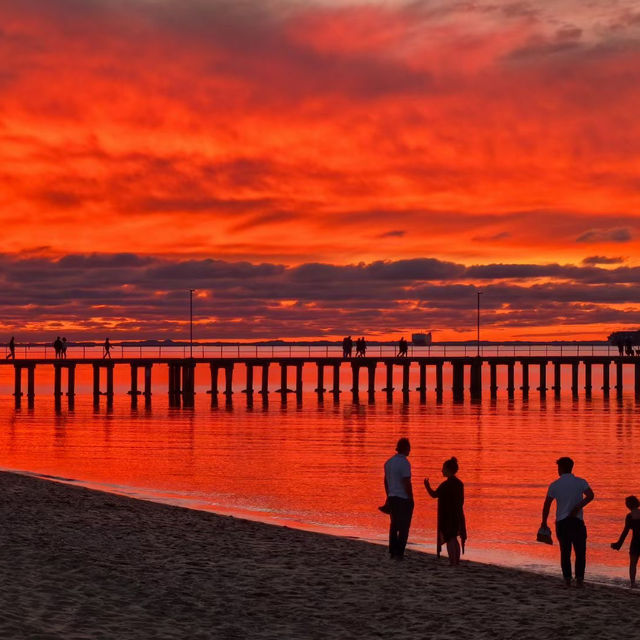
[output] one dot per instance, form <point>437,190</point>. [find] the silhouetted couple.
<point>400,504</point>
<point>361,348</point>
<point>60,347</point>
<point>403,348</point>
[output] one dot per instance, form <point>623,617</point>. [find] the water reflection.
<point>316,462</point>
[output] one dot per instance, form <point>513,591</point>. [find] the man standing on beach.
<point>397,485</point>
<point>571,495</point>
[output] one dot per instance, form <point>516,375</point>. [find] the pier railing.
<point>312,351</point>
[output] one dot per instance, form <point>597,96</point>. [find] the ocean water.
<point>318,465</point>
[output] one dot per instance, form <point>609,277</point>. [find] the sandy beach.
<point>76,563</point>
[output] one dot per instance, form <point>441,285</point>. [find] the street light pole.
<point>478,322</point>
<point>191,322</point>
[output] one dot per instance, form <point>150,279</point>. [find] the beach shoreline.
<point>80,563</point>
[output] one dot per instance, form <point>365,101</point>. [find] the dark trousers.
<point>401,513</point>
<point>571,532</point>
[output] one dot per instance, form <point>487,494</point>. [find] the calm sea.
<point>318,465</point>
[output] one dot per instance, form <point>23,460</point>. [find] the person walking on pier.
<point>12,349</point>
<point>403,348</point>
<point>571,494</point>
<point>347,347</point>
<point>451,520</point>
<point>361,347</point>
<point>63,348</point>
<point>107,349</point>
<point>399,505</point>
<point>57,347</point>
<point>631,523</point>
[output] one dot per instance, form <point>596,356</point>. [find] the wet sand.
<point>81,564</point>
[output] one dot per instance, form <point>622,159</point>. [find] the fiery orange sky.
<point>319,168</point>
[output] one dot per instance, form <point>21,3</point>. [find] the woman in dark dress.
<point>631,523</point>
<point>451,521</point>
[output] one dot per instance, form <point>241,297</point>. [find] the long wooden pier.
<point>181,375</point>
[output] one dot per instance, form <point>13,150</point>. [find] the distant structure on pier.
<point>625,337</point>
<point>421,339</point>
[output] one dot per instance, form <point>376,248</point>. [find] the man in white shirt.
<point>571,495</point>
<point>397,485</point>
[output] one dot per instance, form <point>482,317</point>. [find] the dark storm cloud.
<point>148,296</point>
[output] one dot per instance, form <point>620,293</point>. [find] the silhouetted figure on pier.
<point>347,347</point>
<point>361,347</point>
<point>399,504</point>
<point>628,347</point>
<point>631,523</point>
<point>57,347</point>
<point>63,348</point>
<point>451,521</point>
<point>620,346</point>
<point>107,349</point>
<point>403,348</point>
<point>12,349</point>
<point>571,495</point>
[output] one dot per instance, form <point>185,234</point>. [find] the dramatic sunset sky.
<point>319,168</point>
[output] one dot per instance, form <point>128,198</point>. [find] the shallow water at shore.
<point>318,466</point>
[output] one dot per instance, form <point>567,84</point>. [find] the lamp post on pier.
<point>191,322</point>
<point>478,323</point>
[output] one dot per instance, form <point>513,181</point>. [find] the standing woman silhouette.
<point>451,520</point>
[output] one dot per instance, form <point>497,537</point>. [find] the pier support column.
<point>249,386</point>
<point>320,386</point>
<point>511,385</point>
<point>619,378</point>
<point>542,387</point>
<point>525,379</point>
<point>57,380</point>
<point>476,379</point>
<point>587,379</point>
<point>71,380</point>
<point>109,384</point>
<point>336,379</point>
<point>174,385</point>
<point>388,388</point>
<point>422,386</point>
<point>264,389</point>
<point>147,380</point>
<point>96,384</point>
<point>71,385</point>
<point>458,381</point>
<point>228,381</point>
<point>405,377</point>
<point>439,384</point>
<point>283,379</point>
<point>188,384</point>
<point>133,391</point>
<point>557,378</point>
<point>371,379</point>
<point>606,384</point>
<point>299,379</point>
<point>31,387</point>
<point>17,381</point>
<point>574,378</point>
<point>17,384</point>
<point>493,379</point>
<point>355,377</point>
<point>214,369</point>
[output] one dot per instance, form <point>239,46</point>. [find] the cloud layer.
<point>132,296</point>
